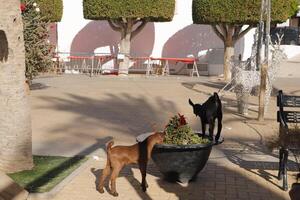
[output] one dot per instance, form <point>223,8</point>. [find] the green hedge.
<point>51,9</point>
<point>239,11</point>
<point>154,10</point>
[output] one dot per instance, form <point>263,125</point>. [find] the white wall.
<point>177,38</point>
<point>72,22</point>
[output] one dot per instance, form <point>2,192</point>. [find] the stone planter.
<point>181,162</point>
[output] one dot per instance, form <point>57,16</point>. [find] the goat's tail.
<point>108,150</point>
<point>191,103</point>
<point>108,146</point>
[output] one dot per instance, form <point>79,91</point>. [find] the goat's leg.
<point>114,175</point>
<point>143,169</point>
<point>285,159</point>
<point>280,170</point>
<point>105,173</point>
<point>203,125</point>
<point>211,128</point>
<point>219,129</point>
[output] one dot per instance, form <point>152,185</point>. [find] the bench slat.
<point>289,116</point>
<point>290,101</point>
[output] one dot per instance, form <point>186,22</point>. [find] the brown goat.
<point>119,156</point>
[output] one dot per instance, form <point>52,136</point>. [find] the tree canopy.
<point>240,11</point>
<point>51,10</point>
<point>153,10</point>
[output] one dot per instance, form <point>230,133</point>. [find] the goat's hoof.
<point>144,188</point>
<point>101,190</point>
<point>115,194</point>
<point>146,185</point>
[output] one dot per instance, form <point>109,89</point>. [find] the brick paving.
<point>83,113</point>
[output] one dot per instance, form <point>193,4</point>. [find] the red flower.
<point>182,120</point>
<point>22,7</point>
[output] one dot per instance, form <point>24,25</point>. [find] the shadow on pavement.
<point>122,114</point>
<point>257,159</point>
<point>215,181</point>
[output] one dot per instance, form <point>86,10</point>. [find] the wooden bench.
<point>288,143</point>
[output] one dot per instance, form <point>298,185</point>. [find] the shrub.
<point>180,133</point>
<point>154,10</point>
<point>51,10</point>
<point>38,51</point>
<point>239,11</point>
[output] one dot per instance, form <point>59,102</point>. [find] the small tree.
<point>128,17</point>
<point>227,18</point>
<point>36,19</point>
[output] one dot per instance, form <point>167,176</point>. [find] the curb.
<point>61,185</point>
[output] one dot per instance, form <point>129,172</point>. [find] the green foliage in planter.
<point>180,133</point>
<point>153,10</point>
<point>51,10</point>
<point>38,51</point>
<point>239,11</point>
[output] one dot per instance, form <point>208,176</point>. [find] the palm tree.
<point>15,120</point>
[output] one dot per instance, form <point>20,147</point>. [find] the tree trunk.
<point>15,120</point>
<point>229,34</point>
<point>125,26</point>
<point>262,92</point>
<point>125,50</point>
<point>228,53</point>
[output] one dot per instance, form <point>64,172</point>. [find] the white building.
<point>178,38</point>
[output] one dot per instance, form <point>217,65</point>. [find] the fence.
<point>96,64</point>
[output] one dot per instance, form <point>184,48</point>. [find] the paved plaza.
<point>77,114</point>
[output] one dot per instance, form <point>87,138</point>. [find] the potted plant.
<point>184,152</point>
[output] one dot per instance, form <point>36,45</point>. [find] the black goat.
<point>208,112</point>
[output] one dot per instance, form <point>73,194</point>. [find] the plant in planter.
<point>178,132</point>
<point>184,153</point>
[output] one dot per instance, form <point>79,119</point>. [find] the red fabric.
<point>104,57</point>
<point>140,58</point>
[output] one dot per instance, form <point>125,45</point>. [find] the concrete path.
<point>78,115</point>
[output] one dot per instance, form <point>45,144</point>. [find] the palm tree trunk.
<point>15,120</point>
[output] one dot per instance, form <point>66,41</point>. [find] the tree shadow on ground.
<point>215,181</point>
<point>256,158</point>
<point>122,114</point>
<point>136,112</point>
<point>38,86</point>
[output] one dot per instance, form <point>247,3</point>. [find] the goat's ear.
<point>216,96</point>
<point>154,127</point>
<point>191,103</point>
<point>163,134</point>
